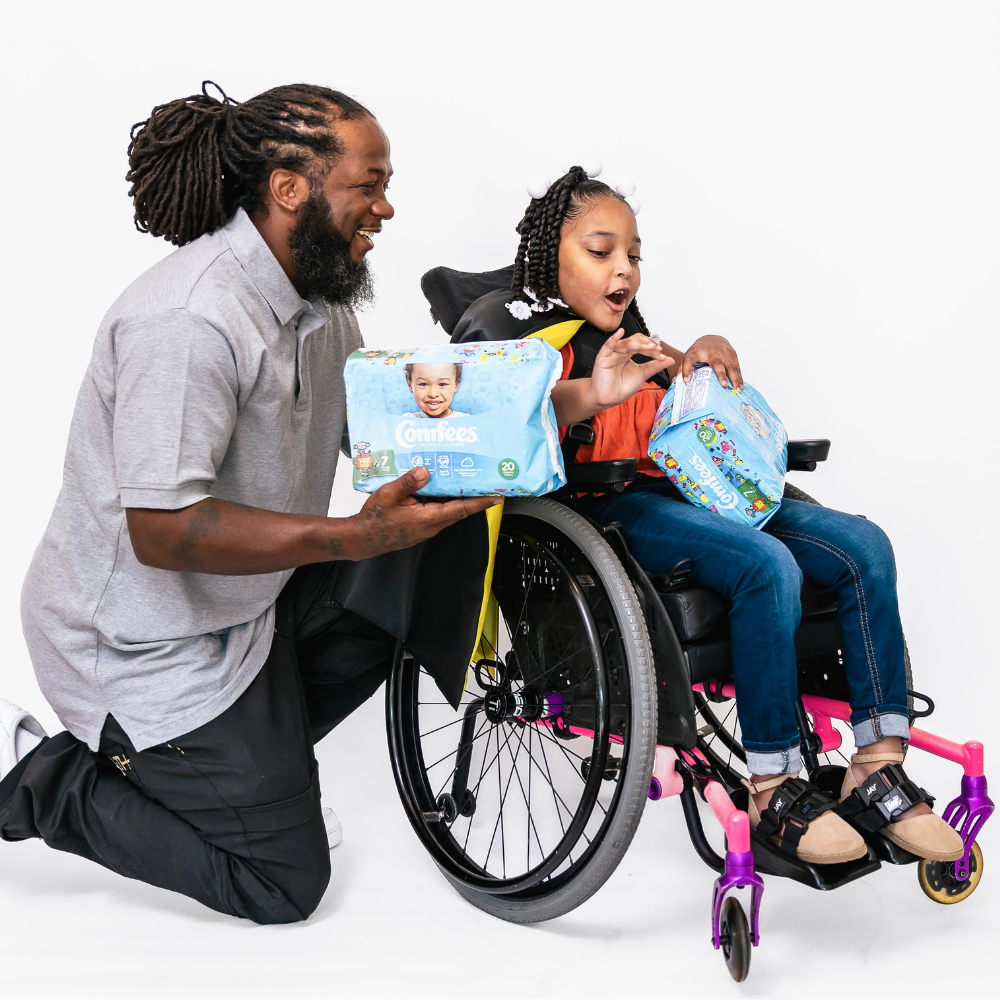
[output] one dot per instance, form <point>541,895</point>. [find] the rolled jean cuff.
<point>878,727</point>
<point>788,761</point>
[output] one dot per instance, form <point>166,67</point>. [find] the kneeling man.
<point>192,668</point>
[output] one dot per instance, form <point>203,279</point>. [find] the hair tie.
<point>538,186</point>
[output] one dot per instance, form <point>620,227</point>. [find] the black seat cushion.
<point>700,615</point>
<point>817,648</point>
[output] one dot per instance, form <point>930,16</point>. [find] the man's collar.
<point>263,268</point>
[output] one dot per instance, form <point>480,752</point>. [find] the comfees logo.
<point>707,476</point>
<point>438,432</point>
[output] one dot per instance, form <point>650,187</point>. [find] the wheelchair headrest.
<point>451,292</point>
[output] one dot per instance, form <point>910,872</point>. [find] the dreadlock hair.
<point>198,159</point>
<point>536,266</point>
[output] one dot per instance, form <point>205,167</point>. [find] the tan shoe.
<point>887,792</point>
<point>799,819</point>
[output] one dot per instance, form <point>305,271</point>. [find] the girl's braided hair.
<point>536,266</point>
<point>198,159</point>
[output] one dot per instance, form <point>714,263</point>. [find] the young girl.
<point>575,280</point>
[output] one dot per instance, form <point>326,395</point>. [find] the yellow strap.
<point>489,613</point>
<point>559,334</point>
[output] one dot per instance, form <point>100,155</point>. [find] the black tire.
<point>571,576</point>
<point>734,937</point>
<point>719,734</point>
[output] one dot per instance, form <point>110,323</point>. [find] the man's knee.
<point>283,892</point>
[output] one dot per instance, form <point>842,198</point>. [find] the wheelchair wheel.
<point>937,878</point>
<point>528,797</point>
<point>734,938</point>
<point>720,738</point>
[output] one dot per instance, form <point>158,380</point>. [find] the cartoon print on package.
<point>478,416</point>
<point>725,449</point>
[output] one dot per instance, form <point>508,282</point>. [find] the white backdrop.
<point>819,184</point>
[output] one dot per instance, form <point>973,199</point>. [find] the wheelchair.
<point>600,688</point>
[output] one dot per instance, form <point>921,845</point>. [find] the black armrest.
<point>803,455</point>
<point>601,477</point>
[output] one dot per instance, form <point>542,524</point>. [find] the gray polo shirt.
<point>210,376</point>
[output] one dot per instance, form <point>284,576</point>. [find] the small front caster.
<point>734,937</point>
<point>940,883</point>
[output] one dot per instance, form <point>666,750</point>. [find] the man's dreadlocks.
<point>536,266</point>
<point>198,159</point>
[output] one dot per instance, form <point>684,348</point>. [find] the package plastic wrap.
<point>477,415</point>
<point>724,450</point>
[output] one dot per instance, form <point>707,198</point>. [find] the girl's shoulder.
<point>502,315</point>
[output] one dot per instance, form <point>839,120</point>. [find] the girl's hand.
<point>719,353</point>
<point>616,376</point>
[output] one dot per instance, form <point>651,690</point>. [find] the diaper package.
<point>723,449</point>
<point>477,415</point>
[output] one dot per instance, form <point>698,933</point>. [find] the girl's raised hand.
<point>719,353</point>
<point>616,376</point>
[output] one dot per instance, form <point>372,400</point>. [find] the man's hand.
<point>216,536</point>
<point>392,518</point>
<point>719,353</point>
<point>614,379</point>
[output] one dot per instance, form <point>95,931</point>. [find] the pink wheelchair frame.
<point>967,812</point>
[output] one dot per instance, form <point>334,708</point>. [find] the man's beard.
<point>322,258</point>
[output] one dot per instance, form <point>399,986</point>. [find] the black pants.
<point>229,813</point>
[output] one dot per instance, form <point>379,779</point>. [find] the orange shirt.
<point>623,430</point>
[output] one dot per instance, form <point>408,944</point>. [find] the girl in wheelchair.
<point>575,281</point>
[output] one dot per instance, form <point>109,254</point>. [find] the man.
<point>192,669</point>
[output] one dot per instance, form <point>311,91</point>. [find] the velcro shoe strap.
<point>883,797</point>
<point>796,803</point>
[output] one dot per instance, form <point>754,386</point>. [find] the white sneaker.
<point>20,733</point>
<point>334,828</point>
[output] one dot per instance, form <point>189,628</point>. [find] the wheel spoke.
<point>431,732</point>
<point>455,768</point>
<point>445,757</point>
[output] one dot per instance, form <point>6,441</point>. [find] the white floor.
<point>391,926</point>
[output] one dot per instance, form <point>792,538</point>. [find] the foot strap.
<point>795,804</point>
<point>870,758</point>
<point>882,797</point>
<point>756,787</point>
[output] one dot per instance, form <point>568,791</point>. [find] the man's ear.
<point>288,190</point>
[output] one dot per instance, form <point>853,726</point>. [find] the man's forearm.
<point>216,536</point>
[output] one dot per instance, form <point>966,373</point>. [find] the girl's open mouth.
<point>617,299</point>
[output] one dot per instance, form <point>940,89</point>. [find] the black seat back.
<point>451,292</point>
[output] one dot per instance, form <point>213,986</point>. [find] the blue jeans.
<point>760,572</point>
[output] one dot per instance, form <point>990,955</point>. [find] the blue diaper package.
<point>724,450</point>
<point>477,415</point>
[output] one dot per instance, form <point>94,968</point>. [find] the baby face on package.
<point>433,388</point>
<point>477,416</point>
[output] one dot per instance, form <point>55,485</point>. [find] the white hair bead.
<point>625,188</point>
<point>593,168</point>
<point>538,186</point>
<point>634,204</point>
